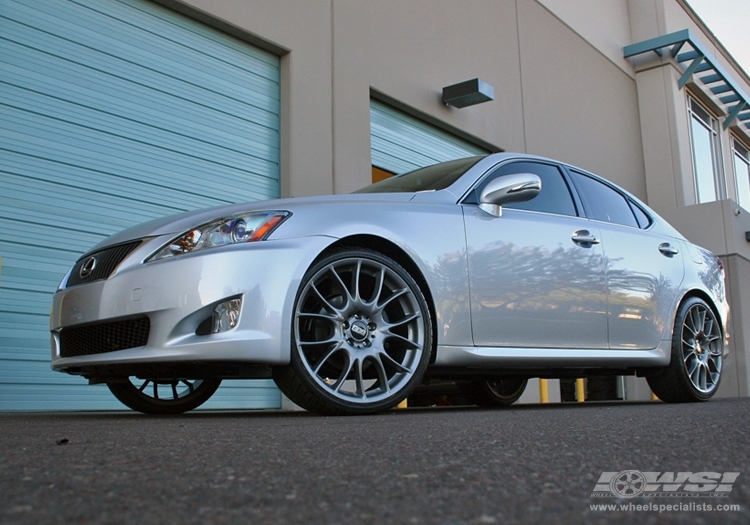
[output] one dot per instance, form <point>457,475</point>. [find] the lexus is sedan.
<point>487,271</point>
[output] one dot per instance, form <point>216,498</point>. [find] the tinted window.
<point>604,203</point>
<point>555,195</point>
<point>435,177</point>
<point>644,221</point>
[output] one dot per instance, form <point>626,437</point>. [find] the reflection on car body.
<point>487,271</point>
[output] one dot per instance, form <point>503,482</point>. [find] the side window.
<point>555,195</point>
<point>644,221</point>
<point>605,204</point>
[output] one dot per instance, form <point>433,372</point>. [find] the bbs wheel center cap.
<point>359,330</point>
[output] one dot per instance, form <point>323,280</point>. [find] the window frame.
<point>710,123</point>
<point>573,172</point>
<point>744,157</point>
<point>471,197</point>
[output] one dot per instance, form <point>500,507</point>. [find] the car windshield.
<point>435,177</point>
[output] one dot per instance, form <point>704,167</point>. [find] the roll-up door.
<point>401,143</point>
<point>114,112</point>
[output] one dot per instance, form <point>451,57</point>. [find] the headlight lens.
<point>243,227</point>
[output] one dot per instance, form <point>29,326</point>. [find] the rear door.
<point>644,269</point>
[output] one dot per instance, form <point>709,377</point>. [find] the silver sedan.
<point>488,270</point>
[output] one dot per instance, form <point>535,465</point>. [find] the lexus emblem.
<point>87,267</point>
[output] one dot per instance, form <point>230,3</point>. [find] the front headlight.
<point>242,227</point>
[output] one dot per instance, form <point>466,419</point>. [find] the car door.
<point>644,268</point>
<point>536,272</point>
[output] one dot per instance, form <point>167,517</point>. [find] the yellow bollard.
<point>654,397</point>
<point>543,391</point>
<point>581,390</point>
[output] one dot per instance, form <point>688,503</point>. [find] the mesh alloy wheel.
<point>701,348</point>
<point>361,337</point>
<point>694,371</point>
<point>163,396</point>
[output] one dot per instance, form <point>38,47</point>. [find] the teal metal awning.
<point>696,62</point>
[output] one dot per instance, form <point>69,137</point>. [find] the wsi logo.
<point>632,483</point>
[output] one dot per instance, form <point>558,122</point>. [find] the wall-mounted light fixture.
<point>468,93</point>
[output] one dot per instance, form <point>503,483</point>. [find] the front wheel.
<point>163,396</point>
<point>361,336</point>
<point>694,371</point>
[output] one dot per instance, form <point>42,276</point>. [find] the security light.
<point>468,93</point>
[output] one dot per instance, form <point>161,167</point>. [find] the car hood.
<point>182,222</point>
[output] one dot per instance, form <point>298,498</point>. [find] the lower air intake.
<point>100,338</point>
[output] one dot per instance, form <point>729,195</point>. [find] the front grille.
<point>100,264</point>
<point>104,337</point>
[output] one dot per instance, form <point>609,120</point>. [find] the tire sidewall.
<point>677,361</point>
<point>296,359</point>
<point>492,396</point>
<point>127,393</point>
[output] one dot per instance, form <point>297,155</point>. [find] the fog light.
<point>226,315</point>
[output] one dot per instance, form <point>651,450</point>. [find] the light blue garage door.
<point>114,112</point>
<point>401,143</point>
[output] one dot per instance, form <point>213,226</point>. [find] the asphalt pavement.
<point>522,464</point>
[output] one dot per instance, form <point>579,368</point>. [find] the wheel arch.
<point>706,298</point>
<point>680,382</point>
<point>395,252</point>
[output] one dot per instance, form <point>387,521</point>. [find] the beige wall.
<point>408,51</point>
<point>738,381</point>
<point>562,87</point>
<point>664,121</point>
<point>720,227</point>
<point>579,106</point>
<point>555,93</point>
<point>666,139</point>
<point>604,25</point>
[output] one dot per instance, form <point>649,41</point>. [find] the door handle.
<point>666,249</point>
<point>584,237</point>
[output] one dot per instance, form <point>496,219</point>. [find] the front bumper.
<point>176,295</point>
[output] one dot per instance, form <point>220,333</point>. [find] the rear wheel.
<point>501,391</point>
<point>361,336</point>
<point>694,371</point>
<point>163,396</point>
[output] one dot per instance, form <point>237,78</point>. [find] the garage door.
<point>114,112</point>
<point>401,143</point>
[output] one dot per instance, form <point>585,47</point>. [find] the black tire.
<point>502,391</point>
<point>173,396</point>
<point>694,370</point>
<point>361,336</point>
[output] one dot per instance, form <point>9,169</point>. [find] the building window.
<point>741,173</point>
<point>704,130</point>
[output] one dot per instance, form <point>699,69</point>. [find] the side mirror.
<point>519,187</point>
